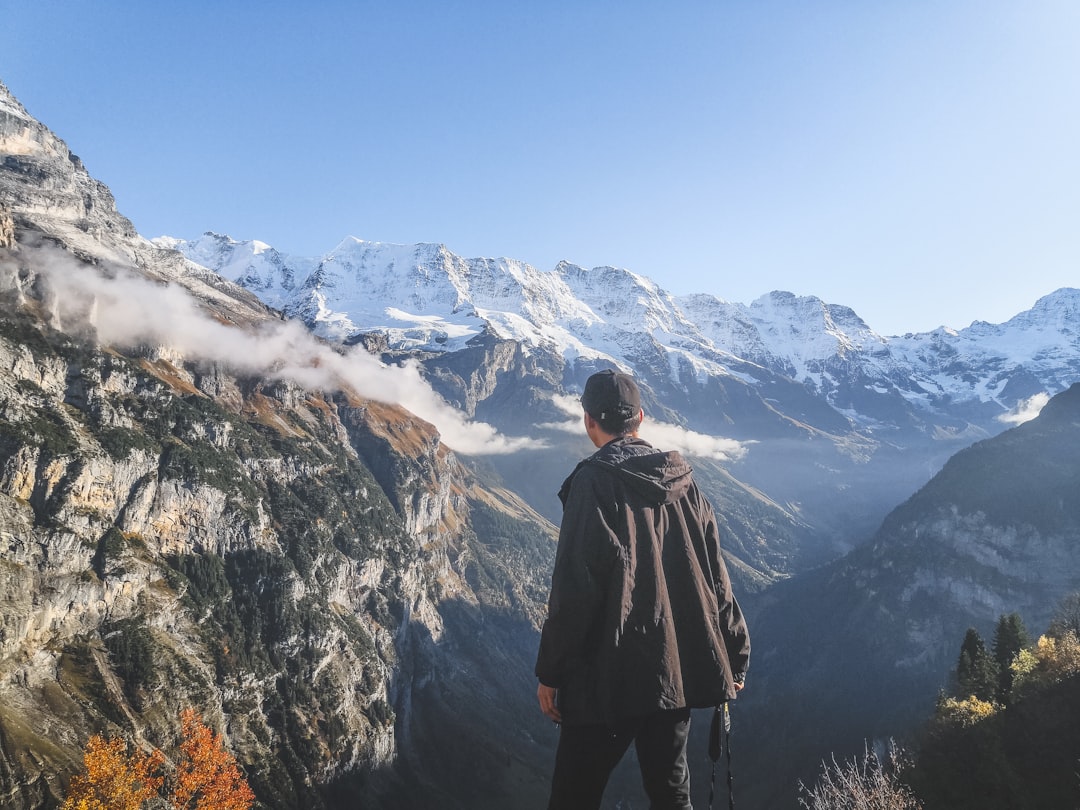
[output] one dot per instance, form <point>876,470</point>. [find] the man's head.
<point>612,399</point>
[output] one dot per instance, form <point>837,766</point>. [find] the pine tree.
<point>1010,638</point>
<point>976,671</point>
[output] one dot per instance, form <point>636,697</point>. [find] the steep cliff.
<point>312,569</point>
<point>177,535</point>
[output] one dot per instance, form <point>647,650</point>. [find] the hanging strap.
<point>720,744</point>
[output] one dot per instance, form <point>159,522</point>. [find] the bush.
<point>109,549</point>
<point>206,776</point>
<point>118,442</point>
<point>963,713</point>
<point>870,782</point>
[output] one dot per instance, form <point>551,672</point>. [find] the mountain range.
<point>425,298</point>
<point>872,417</point>
<point>315,496</point>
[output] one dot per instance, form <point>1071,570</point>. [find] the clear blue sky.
<point>917,160</point>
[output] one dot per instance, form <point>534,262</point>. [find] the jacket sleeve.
<point>732,622</point>
<point>587,549</point>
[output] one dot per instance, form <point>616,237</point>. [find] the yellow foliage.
<point>1024,666</point>
<point>113,779</point>
<point>207,776</point>
<point>965,712</point>
<point>1059,657</point>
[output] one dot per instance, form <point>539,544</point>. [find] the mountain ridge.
<point>872,418</point>
<point>596,313</point>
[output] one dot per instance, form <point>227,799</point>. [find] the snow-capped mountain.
<point>424,297</point>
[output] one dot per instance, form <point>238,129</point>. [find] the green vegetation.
<point>503,550</point>
<point>380,713</point>
<point>1010,639</point>
<point>42,342</point>
<point>110,548</point>
<point>80,676</point>
<point>987,677</point>
<point>976,671</point>
<point>204,463</point>
<point>120,442</point>
<point>131,651</point>
<point>232,620</point>
<point>995,743</point>
<point>45,429</point>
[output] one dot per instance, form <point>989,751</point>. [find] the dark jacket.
<point>641,616</point>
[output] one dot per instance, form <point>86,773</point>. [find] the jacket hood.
<point>660,477</point>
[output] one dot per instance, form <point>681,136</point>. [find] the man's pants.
<point>588,754</point>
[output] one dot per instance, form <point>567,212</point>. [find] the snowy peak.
<point>1057,312</point>
<point>624,299</point>
<point>252,264</point>
<point>426,297</point>
<point>809,332</point>
<point>1037,351</point>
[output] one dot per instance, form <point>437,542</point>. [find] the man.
<point>642,625</point>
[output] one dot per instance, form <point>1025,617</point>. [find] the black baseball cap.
<point>611,395</point>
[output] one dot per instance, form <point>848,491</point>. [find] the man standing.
<point>642,625</point>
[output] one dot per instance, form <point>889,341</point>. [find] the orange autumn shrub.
<point>206,776</point>
<point>113,778</point>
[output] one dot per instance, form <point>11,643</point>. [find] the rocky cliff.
<point>180,536</point>
<point>312,569</point>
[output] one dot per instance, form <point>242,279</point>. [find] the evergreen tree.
<point>976,670</point>
<point>1010,638</point>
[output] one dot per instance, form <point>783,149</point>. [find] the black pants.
<point>588,754</point>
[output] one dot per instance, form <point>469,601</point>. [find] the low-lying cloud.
<point>662,435</point>
<point>1025,410</point>
<point>128,310</point>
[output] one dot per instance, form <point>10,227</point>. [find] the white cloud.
<point>662,435</point>
<point>128,310</point>
<point>690,443</point>
<point>1025,410</point>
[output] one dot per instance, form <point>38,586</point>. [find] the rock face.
<point>313,570</point>
<point>163,547</point>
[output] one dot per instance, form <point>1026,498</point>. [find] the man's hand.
<point>546,695</point>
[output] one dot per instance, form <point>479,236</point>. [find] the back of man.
<point>642,625</point>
